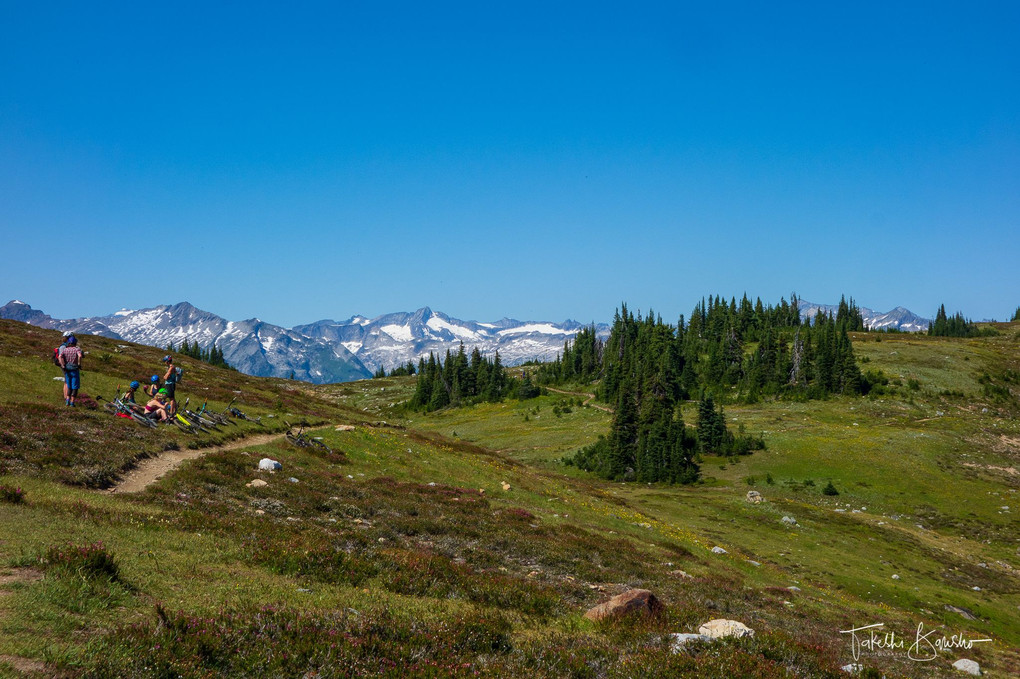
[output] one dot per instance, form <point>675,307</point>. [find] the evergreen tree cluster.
<point>743,350</point>
<point>715,439</point>
<point>460,380</point>
<point>1016,315</point>
<point>954,326</point>
<point>581,360</point>
<point>399,371</point>
<point>213,355</point>
<point>648,368</point>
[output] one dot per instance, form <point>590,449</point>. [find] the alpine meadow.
<point>530,340</point>
<point>722,467</point>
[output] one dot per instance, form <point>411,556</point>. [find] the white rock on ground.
<point>968,666</point>
<point>719,550</point>
<point>754,497</point>
<point>679,640</point>
<point>721,628</point>
<point>789,521</point>
<point>257,483</point>
<point>268,464</point>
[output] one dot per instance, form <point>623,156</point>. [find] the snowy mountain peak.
<point>899,318</point>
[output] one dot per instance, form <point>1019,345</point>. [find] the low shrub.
<point>277,641</point>
<point>11,495</point>
<point>91,560</point>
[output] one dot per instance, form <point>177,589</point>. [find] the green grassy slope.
<point>457,543</point>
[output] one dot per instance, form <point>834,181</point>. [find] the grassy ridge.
<point>408,555</point>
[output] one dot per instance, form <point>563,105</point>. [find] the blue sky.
<point>533,160</point>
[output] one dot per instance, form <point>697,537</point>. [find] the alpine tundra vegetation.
<point>467,541</point>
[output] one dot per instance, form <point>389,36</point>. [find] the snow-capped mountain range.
<point>320,352</point>
<point>394,339</point>
<point>341,351</point>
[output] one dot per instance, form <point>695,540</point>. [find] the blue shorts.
<point>72,378</point>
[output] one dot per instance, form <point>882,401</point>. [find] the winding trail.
<point>589,402</point>
<point>152,469</point>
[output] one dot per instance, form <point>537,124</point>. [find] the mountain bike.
<point>303,440</point>
<point>196,419</point>
<point>215,417</point>
<point>116,406</point>
<point>240,415</point>
<point>184,424</point>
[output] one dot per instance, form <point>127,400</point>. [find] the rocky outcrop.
<point>632,602</point>
<point>721,629</point>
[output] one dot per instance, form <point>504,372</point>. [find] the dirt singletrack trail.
<point>589,402</point>
<point>152,469</point>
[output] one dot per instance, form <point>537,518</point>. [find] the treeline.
<point>951,326</point>
<point>213,355</point>
<point>461,380</point>
<point>958,326</point>
<point>742,351</point>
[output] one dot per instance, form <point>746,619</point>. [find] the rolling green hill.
<point>458,543</point>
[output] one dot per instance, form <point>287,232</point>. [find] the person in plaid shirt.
<point>70,361</point>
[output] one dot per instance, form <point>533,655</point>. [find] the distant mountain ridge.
<point>324,351</point>
<point>340,351</point>
<point>394,339</point>
<point>897,319</point>
<point>252,346</point>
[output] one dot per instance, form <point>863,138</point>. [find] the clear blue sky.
<point>298,161</point>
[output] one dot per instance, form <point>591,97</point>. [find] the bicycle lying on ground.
<point>230,409</point>
<point>119,407</point>
<point>303,440</point>
<point>198,420</point>
<point>218,418</point>
<point>136,412</point>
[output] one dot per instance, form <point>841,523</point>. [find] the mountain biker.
<point>152,387</point>
<point>156,408</point>
<point>129,395</point>
<point>170,384</point>
<point>70,361</point>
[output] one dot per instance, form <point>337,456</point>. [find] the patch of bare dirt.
<point>19,575</point>
<point>1008,471</point>
<point>1011,443</point>
<point>24,665</point>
